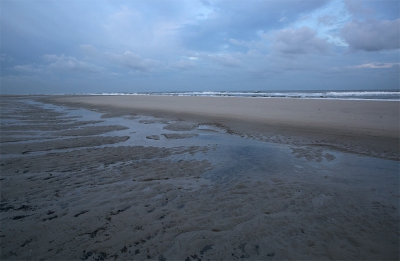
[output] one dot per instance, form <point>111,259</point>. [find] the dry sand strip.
<point>365,127</point>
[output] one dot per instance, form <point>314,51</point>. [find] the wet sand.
<point>192,185</point>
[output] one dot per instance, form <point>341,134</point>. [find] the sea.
<point>389,95</point>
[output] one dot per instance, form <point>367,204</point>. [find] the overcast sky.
<point>198,45</point>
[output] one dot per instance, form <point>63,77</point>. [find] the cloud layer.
<point>133,46</point>
<point>372,35</point>
<point>299,41</point>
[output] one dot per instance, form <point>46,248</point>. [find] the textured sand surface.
<point>131,187</point>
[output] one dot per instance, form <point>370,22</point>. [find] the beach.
<point>368,127</point>
<point>198,178</point>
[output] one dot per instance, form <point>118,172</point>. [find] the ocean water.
<point>390,95</point>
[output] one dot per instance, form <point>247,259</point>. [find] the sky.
<point>56,47</point>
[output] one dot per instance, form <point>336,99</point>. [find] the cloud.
<point>223,59</point>
<point>372,35</point>
<point>89,50</point>
<point>242,21</point>
<point>133,61</point>
<point>327,20</point>
<point>127,59</point>
<point>283,19</point>
<point>51,57</point>
<point>69,63</point>
<point>375,65</point>
<point>182,64</point>
<point>288,41</point>
<point>299,41</point>
<point>357,7</point>
<point>145,27</point>
<point>5,57</point>
<point>205,2</point>
<point>199,44</point>
<point>253,44</point>
<point>29,68</point>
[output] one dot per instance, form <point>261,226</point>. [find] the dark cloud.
<point>241,20</point>
<point>299,41</point>
<point>372,35</point>
<point>212,42</point>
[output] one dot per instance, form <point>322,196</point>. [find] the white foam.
<point>341,95</point>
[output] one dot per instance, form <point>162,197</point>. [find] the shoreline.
<point>362,127</point>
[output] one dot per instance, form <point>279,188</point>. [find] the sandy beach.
<point>198,178</point>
